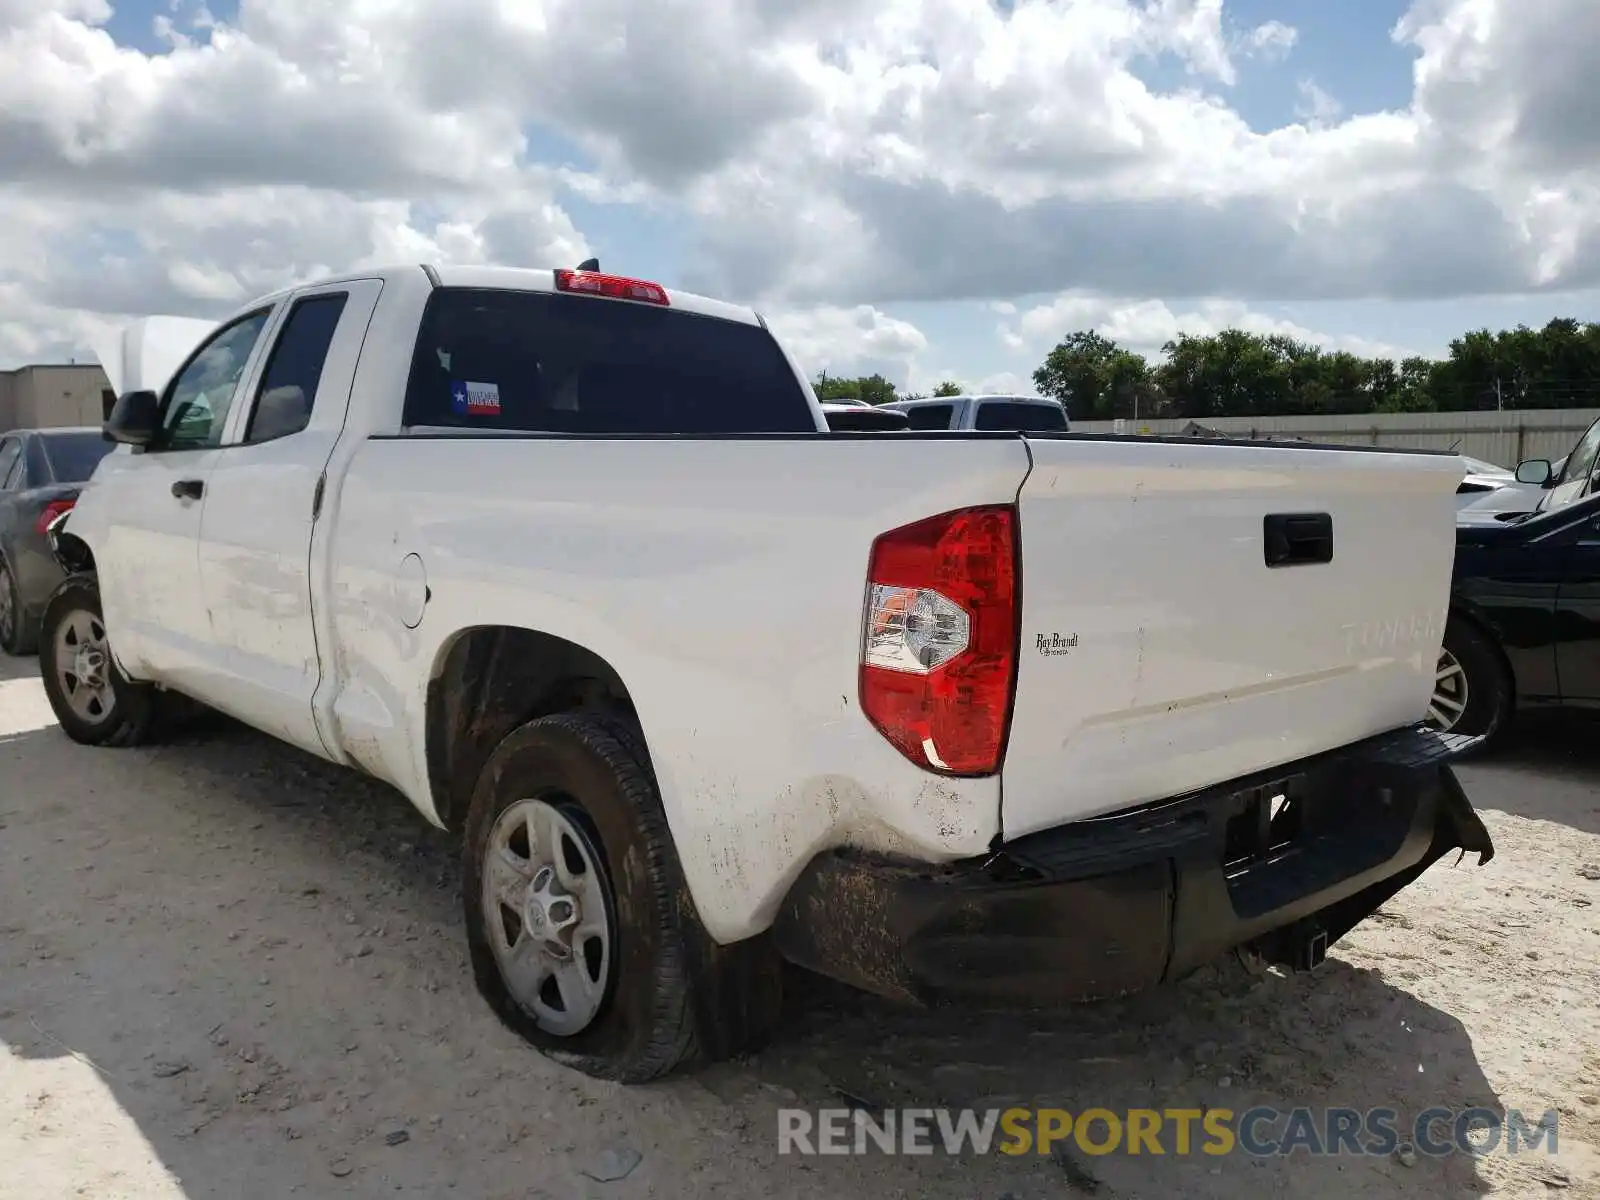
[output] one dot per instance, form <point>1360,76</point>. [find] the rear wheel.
<point>16,635</point>
<point>94,701</point>
<point>1472,690</point>
<point>583,937</point>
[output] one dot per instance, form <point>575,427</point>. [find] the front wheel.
<point>95,702</point>
<point>1471,691</point>
<point>582,934</point>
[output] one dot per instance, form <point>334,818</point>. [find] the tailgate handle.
<point>1297,539</point>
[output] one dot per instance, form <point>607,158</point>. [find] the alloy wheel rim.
<point>83,667</point>
<point>547,910</point>
<point>1451,692</point>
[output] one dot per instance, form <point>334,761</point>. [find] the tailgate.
<point>1161,653</point>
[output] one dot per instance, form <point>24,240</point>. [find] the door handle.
<point>189,489</point>
<point>1297,539</point>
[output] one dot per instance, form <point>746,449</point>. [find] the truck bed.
<point>724,579</point>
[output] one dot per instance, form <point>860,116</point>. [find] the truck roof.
<point>978,396</point>
<point>510,279</point>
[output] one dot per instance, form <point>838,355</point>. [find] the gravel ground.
<point>229,970</point>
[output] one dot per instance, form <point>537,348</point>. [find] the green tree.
<point>874,389</point>
<point>947,388</point>
<point>1096,379</point>
<point>1236,373</point>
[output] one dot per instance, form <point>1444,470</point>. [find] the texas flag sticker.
<point>475,399</point>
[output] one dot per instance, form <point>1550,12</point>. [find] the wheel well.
<point>491,680</point>
<point>74,554</point>
<point>1487,632</point>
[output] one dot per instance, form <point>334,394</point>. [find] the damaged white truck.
<point>572,561</point>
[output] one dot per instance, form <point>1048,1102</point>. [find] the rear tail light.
<point>939,647</point>
<point>614,287</point>
<point>51,511</point>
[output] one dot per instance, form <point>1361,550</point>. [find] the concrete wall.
<point>47,397</point>
<point>1505,438</point>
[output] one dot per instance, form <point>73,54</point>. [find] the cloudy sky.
<point>928,188</point>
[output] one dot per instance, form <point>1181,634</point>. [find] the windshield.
<point>1023,417</point>
<point>74,456</point>
<point>1573,474</point>
<point>539,362</point>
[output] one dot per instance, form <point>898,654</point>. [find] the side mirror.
<point>135,419</point>
<point>1535,471</point>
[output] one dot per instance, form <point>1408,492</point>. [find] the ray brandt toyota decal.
<point>1056,643</point>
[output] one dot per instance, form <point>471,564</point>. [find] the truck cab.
<point>1021,414</point>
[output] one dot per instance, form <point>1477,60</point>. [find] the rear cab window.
<point>545,362</point>
<point>1020,416</point>
<point>929,416</point>
<point>72,457</point>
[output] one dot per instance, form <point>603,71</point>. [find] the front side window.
<point>201,397</point>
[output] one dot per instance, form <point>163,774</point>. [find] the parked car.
<point>41,473</point>
<point>1524,623</point>
<point>1505,497</point>
<point>569,559</point>
<point>1028,414</point>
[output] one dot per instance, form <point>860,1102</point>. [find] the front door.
<point>148,503</point>
<point>1578,612</point>
<point>257,563</point>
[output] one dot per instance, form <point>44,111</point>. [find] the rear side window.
<point>73,456</point>
<point>538,362</point>
<point>930,416</point>
<point>289,385</point>
<point>1025,418</point>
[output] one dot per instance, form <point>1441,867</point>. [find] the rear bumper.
<point>1115,904</point>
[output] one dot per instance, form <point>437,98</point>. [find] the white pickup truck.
<point>571,561</point>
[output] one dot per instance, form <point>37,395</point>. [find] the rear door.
<point>1187,619</point>
<point>263,499</point>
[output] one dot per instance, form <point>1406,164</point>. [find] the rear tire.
<point>1473,692</point>
<point>95,702</point>
<point>566,847</point>
<point>17,636</point>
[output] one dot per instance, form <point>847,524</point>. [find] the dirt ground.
<point>228,970</point>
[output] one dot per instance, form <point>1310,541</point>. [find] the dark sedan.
<point>1524,627</point>
<point>41,473</point>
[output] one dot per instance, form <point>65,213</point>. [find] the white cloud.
<point>1145,326</point>
<point>823,152</point>
<point>1316,105</point>
<point>1271,41</point>
<point>850,341</point>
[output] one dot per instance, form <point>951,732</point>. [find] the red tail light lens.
<point>613,287</point>
<point>51,511</point>
<point>939,647</point>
